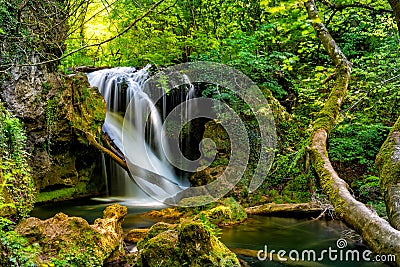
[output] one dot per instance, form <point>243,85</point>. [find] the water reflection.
<point>90,209</point>
<point>290,234</point>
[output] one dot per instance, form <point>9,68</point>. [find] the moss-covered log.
<point>388,164</point>
<point>300,209</point>
<point>376,232</point>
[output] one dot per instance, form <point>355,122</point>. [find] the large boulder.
<point>72,241</point>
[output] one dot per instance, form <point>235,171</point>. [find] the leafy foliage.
<point>16,186</point>
<point>14,249</point>
<point>357,143</point>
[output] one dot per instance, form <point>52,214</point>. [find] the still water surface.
<point>257,232</point>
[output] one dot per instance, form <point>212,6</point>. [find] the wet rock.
<point>206,176</point>
<point>214,131</point>
<point>135,235</point>
<point>73,241</point>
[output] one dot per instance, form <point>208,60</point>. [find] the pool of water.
<point>90,209</point>
<point>257,232</point>
<point>295,234</point>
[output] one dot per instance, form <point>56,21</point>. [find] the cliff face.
<point>33,35</point>
<point>47,103</point>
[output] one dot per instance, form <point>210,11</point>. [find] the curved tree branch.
<point>120,161</point>
<point>388,164</point>
<point>376,232</point>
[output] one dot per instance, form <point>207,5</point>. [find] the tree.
<point>396,11</point>
<point>376,232</point>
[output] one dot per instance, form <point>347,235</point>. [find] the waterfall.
<point>122,89</point>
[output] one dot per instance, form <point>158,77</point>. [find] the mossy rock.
<point>194,239</point>
<point>161,250</point>
<point>154,231</point>
<point>228,212</point>
<point>238,212</point>
<point>186,244</point>
<point>135,235</point>
<point>72,241</point>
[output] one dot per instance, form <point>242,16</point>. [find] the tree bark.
<point>395,4</point>
<point>388,164</point>
<point>376,232</point>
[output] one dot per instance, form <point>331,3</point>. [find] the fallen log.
<point>375,231</point>
<point>298,209</point>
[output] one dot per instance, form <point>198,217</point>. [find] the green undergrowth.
<point>16,250</point>
<point>17,190</point>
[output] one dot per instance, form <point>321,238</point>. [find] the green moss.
<point>161,251</point>
<point>46,87</point>
<point>79,189</point>
<point>328,115</point>
<point>328,185</point>
<point>80,250</point>
<point>225,211</point>
<point>388,167</point>
<point>51,111</point>
<point>185,244</point>
<point>154,231</point>
<point>220,251</point>
<point>89,110</point>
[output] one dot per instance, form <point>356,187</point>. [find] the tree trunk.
<point>376,232</point>
<point>388,164</point>
<point>395,4</point>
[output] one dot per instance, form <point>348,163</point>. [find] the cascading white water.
<point>120,86</point>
